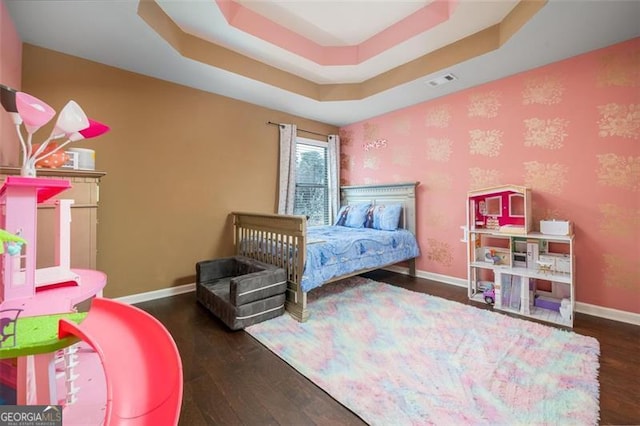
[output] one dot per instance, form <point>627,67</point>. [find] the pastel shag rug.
<point>394,356</point>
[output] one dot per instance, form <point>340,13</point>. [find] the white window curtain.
<point>333,152</point>
<point>287,180</point>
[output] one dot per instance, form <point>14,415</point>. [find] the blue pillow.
<point>384,216</point>
<point>352,215</point>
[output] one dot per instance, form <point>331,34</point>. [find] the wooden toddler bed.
<point>284,241</point>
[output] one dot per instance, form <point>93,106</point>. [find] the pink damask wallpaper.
<point>569,130</point>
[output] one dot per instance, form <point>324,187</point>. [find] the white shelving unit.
<point>530,273</point>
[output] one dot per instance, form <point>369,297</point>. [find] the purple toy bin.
<point>547,303</point>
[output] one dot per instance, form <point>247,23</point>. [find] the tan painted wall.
<point>178,160</point>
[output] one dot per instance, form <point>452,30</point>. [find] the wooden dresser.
<point>84,216</point>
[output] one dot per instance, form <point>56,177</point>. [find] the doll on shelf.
<point>14,242</point>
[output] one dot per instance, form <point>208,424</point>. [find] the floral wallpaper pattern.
<point>439,252</point>
<point>619,273</point>
<point>485,142</point>
<point>438,117</point>
<point>484,104</point>
<point>439,181</point>
<point>619,70</point>
<point>483,178</point>
<point>437,219</point>
<point>545,90</point>
<point>569,130</point>
<point>620,120</point>
<point>618,222</point>
<point>346,137</point>
<point>439,149</point>
<point>372,162</point>
<point>620,171</point>
<point>545,177</point>
<point>548,213</point>
<point>401,158</point>
<point>549,133</point>
<point>403,126</point>
<point>370,131</point>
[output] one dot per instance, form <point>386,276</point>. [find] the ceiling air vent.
<point>441,80</point>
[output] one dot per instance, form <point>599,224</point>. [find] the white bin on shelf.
<point>556,227</point>
<point>85,158</point>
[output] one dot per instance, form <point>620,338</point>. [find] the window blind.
<point>312,190</point>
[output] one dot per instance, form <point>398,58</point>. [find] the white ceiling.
<point>112,33</point>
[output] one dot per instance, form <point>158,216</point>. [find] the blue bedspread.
<point>333,251</point>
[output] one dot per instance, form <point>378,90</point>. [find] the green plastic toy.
<point>14,242</point>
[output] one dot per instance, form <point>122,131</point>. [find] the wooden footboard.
<point>277,240</point>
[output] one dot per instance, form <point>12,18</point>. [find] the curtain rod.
<point>300,130</point>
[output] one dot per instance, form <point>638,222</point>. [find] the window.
<point>516,205</point>
<point>494,206</point>
<point>312,187</point>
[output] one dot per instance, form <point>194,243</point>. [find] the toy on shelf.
<point>491,257</point>
<point>544,266</point>
<point>488,291</point>
<point>13,242</point>
<point>489,294</point>
<point>72,124</point>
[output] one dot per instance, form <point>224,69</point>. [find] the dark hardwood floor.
<point>231,379</point>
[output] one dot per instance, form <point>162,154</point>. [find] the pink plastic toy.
<point>142,365</point>
<point>52,290</point>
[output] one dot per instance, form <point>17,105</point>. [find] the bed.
<point>317,255</point>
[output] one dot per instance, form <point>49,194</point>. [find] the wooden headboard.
<point>394,193</point>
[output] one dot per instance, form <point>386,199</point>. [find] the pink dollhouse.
<point>24,286</point>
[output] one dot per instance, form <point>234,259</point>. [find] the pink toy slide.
<point>142,365</point>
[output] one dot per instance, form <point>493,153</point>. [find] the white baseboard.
<point>156,294</point>
<point>458,282</point>
<point>608,313</point>
<point>584,308</point>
